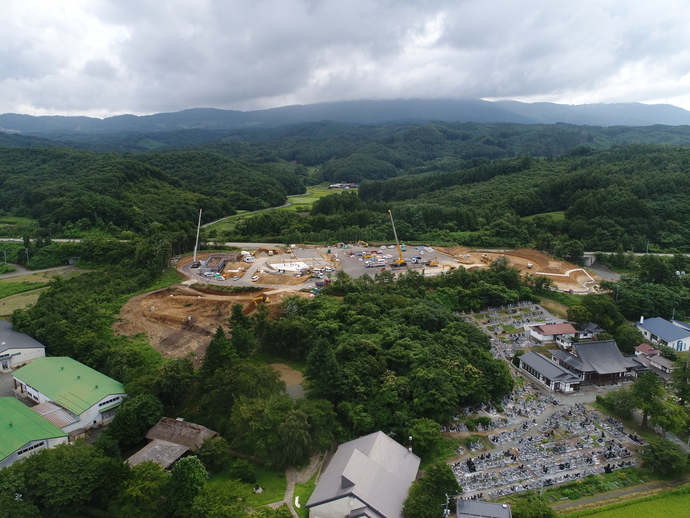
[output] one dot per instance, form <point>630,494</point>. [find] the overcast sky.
<point>108,57</point>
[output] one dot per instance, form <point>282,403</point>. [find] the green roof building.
<point>89,396</point>
<point>24,432</point>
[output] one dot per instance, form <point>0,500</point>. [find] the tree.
<point>242,338</point>
<point>242,470</point>
<point>664,457</point>
<point>219,353</point>
<point>214,453</point>
<point>680,380</point>
<point>133,419</point>
<point>226,500</point>
<point>579,314</point>
<point>621,402</point>
<point>670,417</point>
<point>426,436</point>
<point>648,393</point>
<point>627,338</point>
<point>142,493</point>
<point>173,379</point>
<point>65,477</point>
<point>532,508</point>
<point>187,479</point>
<point>428,495</point>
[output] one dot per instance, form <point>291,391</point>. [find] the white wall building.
<point>17,348</point>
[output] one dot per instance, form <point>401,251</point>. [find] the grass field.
<point>298,203</point>
<point>272,481</point>
<point>304,491</point>
<point>23,291</point>
<point>668,504</point>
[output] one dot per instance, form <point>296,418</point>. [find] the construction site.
<point>180,321</point>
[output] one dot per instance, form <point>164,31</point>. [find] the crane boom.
<point>401,260</point>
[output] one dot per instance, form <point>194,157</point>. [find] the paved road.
<point>23,271</point>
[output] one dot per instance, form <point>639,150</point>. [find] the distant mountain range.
<point>362,112</point>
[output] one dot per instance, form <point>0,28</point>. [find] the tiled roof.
<point>547,368</point>
<point>188,434</point>
<point>555,329</point>
<point>56,415</point>
<point>601,357</point>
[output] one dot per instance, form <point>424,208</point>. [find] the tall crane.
<point>401,260</point>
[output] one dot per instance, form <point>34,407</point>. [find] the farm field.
<point>658,506</point>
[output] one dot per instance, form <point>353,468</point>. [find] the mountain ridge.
<point>358,112</point>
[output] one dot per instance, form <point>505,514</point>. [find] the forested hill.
<point>404,145</point>
<point>70,191</point>
<point>624,198</point>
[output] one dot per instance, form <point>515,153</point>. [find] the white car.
<point>383,247</point>
<point>388,256</point>
<point>236,278</point>
<point>391,246</point>
<point>255,278</point>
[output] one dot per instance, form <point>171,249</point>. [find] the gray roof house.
<point>17,348</point>
<point>368,477</point>
<point>596,362</point>
<point>659,331</point>
<point>549,373</point>
<point>479,509</point>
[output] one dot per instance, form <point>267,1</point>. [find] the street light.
<point>27,256</point>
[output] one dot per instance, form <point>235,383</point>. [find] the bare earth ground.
<point>566,276</point>
<point>179,321</point>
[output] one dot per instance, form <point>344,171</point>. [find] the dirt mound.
<point>180,321</point>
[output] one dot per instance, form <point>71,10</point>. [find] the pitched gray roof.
<point>664,329</point>
<point>10,339</point>
<point>547,368</point>
<point>569,359</point>
<point>375,469</point>
<point>161,452</point>
<point>478,509</point>
<point>601,357</point>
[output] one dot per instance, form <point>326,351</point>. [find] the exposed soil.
<point>289,375</point>
<point>566,276</point>
<point>180,321</point>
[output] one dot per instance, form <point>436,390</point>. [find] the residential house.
<point>659,331</point>
<point>24,432</point>
<point>17,348</point>
<point>646,349</point>
<point>479,509</point>
<point>549,373</point>
<point>562,334</point>
<point>368,477</point>
<point>75,391</point>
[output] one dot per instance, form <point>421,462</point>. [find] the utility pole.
<point>27,256</point>
<point>5,252</point>
<point>198,228</point>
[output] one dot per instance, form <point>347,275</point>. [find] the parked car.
<point>255,278</point>
<point>196,264</point>
<point>236,278</point>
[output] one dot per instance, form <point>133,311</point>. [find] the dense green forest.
<point>557,188</point>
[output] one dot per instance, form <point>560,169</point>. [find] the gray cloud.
<point>101,57</point>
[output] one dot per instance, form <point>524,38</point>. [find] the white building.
<point>17,348</point>
<point>24,432</point>
<point>80,396</point>
<point>660,331</point>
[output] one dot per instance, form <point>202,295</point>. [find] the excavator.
<point>262,298</point>
<point>401,260</point>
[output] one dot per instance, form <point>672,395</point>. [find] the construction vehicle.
<point>401,260</point>
<point>324,282</point>
<point>362,243</point>
<point>262,298</point>
<point>449,266</point>
<point>485,259</point>
<point>433,262</point>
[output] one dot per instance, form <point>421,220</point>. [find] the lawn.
<point>304,491</point>
<point>272,481</point>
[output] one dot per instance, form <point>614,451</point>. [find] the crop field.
<point>664,505</point>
